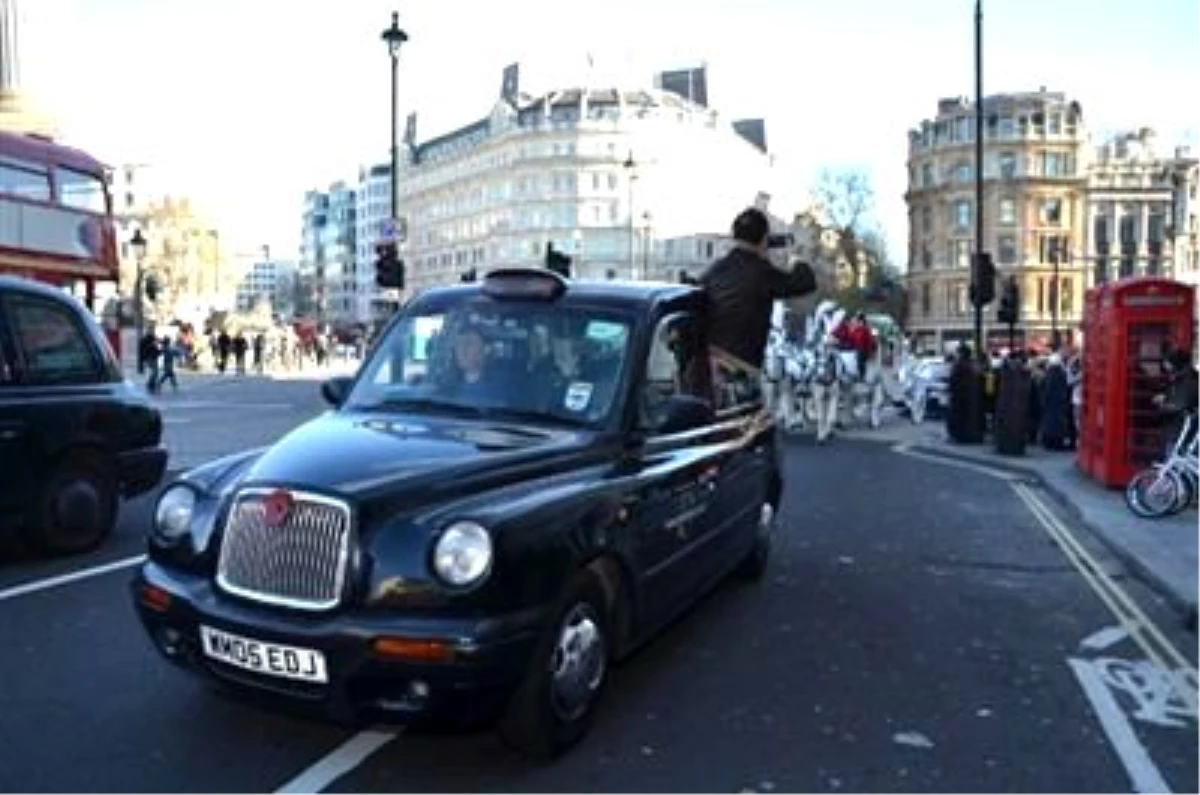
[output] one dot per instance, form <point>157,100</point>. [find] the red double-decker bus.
<point>56,218</point>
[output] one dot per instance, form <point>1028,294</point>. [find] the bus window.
<point>81,191</point>
<point>24,183</point>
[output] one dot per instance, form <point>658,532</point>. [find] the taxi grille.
<point>301,563</point>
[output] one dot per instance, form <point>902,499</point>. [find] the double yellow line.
<point>1148,637</point>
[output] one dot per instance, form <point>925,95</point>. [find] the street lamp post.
<point>138,242</point>
<point>646,242</point>
<point>395,37</point>
<point>1054,299</point>
<point>977,260</point>
<point>631,168</point>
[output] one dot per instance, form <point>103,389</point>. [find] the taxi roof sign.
<point>528,283</point>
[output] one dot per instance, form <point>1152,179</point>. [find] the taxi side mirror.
<point>686,413</point>
<point>335,390</point>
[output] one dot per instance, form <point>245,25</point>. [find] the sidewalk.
<point>1164,551</point>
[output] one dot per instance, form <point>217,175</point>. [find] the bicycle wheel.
<point>1187,492</point>
<point>1153,493</point>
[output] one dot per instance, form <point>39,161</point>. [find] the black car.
<point>75,436</point>
<point>526,479</point>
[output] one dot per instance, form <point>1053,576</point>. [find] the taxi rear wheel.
<point>554,706</point>
<point>77,507</point>
<point>754,566</point>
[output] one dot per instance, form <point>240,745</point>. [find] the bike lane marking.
<point>1134,758</point>
<point>1159,679</point>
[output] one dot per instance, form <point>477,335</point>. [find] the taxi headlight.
<point>173,514</point>
<point>463,554</point>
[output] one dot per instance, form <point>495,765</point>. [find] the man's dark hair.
<point>751,226</point>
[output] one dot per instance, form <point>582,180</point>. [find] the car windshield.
<point>507,360</point>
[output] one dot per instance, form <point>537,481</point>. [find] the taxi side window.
<point>52,347</point>
<point>672,352</point>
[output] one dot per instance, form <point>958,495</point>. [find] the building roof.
<point>563,99</point>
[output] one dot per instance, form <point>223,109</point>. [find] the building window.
<point>1008,211</point>
<point>927,219</point>
<point>1054,164</point>
<point>1051,213</point>
<point>1100,233</point>
<point>961,253</point>
<point>927,175</point>
<point>1007,249</point>
<point>1008,165</point>
<point>926,256</point>
<point>962,173</point>
<point>926,299</point>
<point>962,213</point>
<point>1051,248</point>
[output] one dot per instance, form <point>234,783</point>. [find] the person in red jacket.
<point>857,336</point>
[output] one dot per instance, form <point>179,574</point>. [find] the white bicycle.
<point>1168,487</point>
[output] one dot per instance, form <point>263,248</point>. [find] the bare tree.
<point>882,288</point>
<point>845,203</point>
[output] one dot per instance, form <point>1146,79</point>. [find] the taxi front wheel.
<point>553,707</point>
<point>77,507</point>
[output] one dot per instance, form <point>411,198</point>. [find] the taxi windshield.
<point>512,359</point>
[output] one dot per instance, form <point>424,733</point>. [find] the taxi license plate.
<point>271,659</point>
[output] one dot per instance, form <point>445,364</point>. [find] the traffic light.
<point>557,261</point>
<point>983,280</point>
<point>389,268</point>
<point>1010,303</point>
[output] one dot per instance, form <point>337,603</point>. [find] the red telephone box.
<point>1128,327</point>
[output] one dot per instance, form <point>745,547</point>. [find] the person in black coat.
<point>1056,402</point>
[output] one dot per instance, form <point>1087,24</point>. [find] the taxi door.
<point>15,474</point>
<point>673,485</point>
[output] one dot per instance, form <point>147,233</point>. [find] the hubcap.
<point>76,508</point>
<point>766,521</point>
<point>578,663</point>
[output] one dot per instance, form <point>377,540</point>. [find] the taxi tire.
<point>90,472</point>
<point>753,567</point>
<point>530,725</point>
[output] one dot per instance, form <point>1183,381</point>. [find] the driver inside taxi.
<point>470,360</point>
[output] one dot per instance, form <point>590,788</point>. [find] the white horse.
<point>826,385</point>
<point>868,384</point>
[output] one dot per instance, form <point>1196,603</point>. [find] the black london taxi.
<point>75,436</point>
<point>523,482</point>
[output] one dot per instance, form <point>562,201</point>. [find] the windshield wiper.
<point>426,404</point>
<point>528,415</point>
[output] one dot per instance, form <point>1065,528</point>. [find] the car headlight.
<point>463,554</point>
<point>173,514</point>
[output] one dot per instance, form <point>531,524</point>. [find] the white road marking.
<point>905,448</point>
<point>66,579</point>
<point>338,762</point>
<point>169,420</point>
<point>1133,620</point>
<point>1143,631</point>
<point>170,405</point>
<point>1109,636</point>
<point>1141,768</point>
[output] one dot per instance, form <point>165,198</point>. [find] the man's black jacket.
<point>742,287</point>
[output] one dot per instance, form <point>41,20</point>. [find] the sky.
<point>246,104</point>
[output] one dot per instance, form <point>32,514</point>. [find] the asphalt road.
<point>919,631</point>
